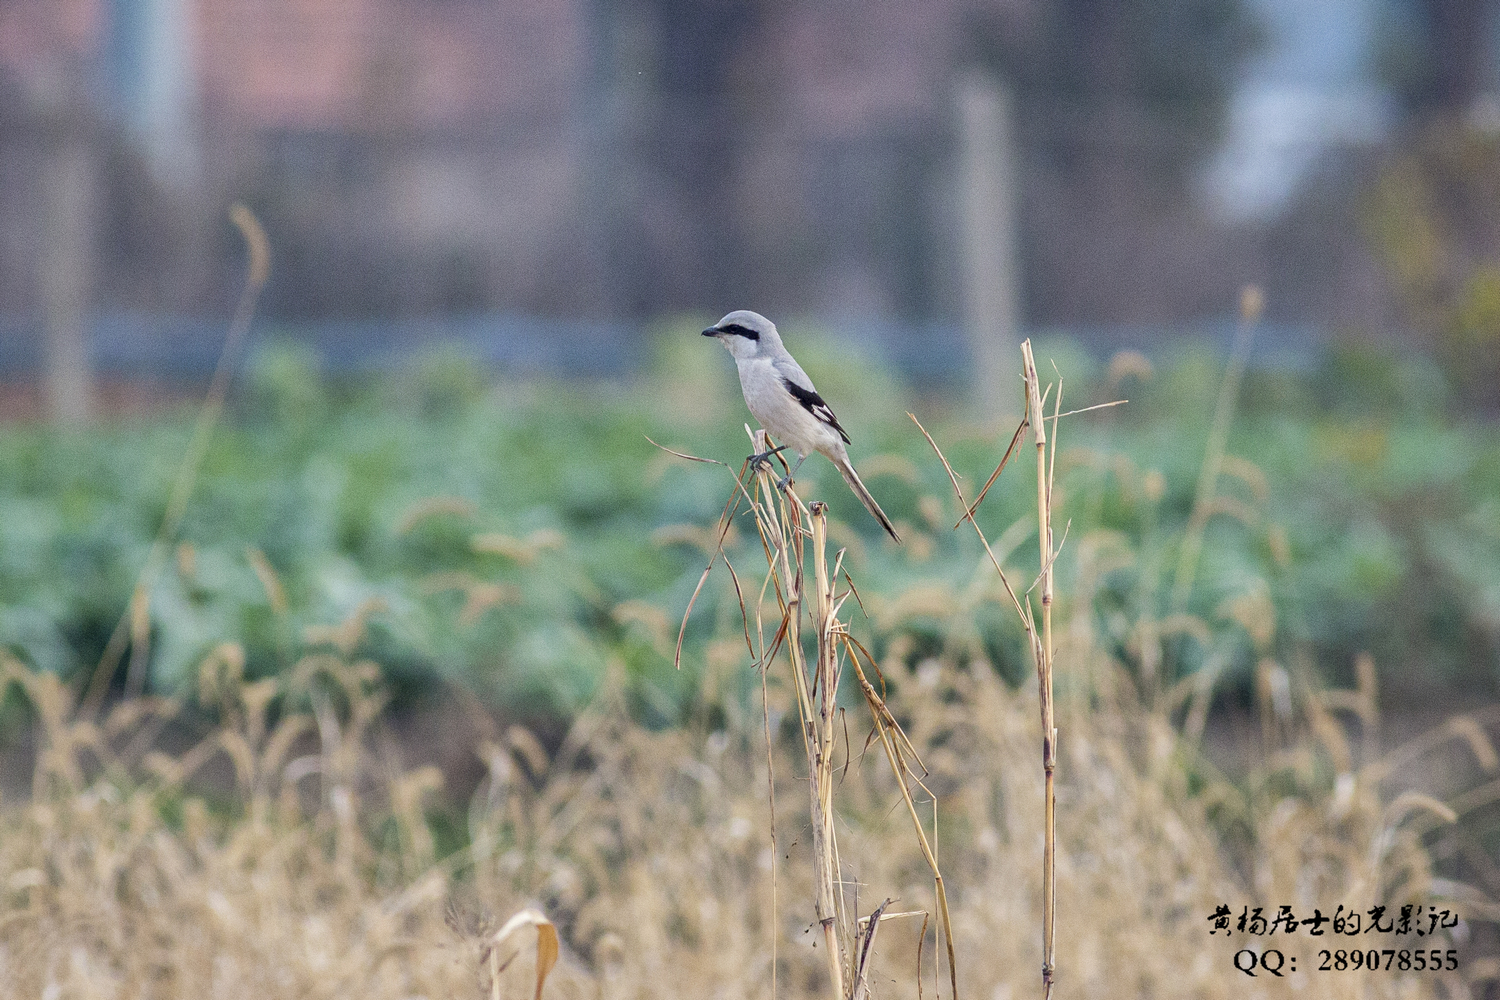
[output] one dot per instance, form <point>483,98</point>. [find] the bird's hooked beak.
<point>712,331</point>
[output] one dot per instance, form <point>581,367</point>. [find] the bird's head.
<point>745,334</point>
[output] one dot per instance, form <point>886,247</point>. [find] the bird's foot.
<point>784,482</point>
<point>763,457</point>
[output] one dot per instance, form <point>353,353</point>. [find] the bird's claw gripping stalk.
<point>760,458</point>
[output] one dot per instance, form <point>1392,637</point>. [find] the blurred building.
<point>622,159</point>
<point>468,154</point>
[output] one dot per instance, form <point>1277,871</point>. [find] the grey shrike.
<point>781,396</point>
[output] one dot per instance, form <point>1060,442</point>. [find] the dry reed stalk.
<point>1045,465</point>
<point>897,748</point>
<point>782,532</point>
<point>1040,639</point>
<point>785,523</point>
<point>134,627</point>
<point>825,684</point>
<point>1252,303</point>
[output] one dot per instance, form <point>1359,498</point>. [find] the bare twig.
<point>1086,409</point>
<point>860,990</point>
<point>133,628</point>
<point>1044,472</point>
<point>726,519</point>
<point>1010,450</point>
<point>1251,304</point>
<point>1038,638</point>
<point>958,490</point>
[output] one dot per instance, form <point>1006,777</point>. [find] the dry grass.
<point>301,863</point>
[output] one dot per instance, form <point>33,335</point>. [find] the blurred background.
<point>488,218</point>
<point>537,178</point>
<point>496,229</point>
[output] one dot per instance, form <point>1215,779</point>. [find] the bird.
<point>781,396</point>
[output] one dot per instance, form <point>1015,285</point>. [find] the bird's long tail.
<point>846,468</point>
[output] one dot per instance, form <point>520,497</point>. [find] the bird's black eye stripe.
<point>740,331</point>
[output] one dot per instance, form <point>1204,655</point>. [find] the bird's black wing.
<point>813,403</point>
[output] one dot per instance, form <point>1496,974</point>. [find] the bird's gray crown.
<point>747,324</point>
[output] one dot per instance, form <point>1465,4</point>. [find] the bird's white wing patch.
<point>813,403</point>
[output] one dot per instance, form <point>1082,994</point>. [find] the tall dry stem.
<point>1044,467</point>
<point>134,627</point>
<point>1252,303</point>
<point>780,522</point>
<point>1039,638</point>
<point>785,523</point>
